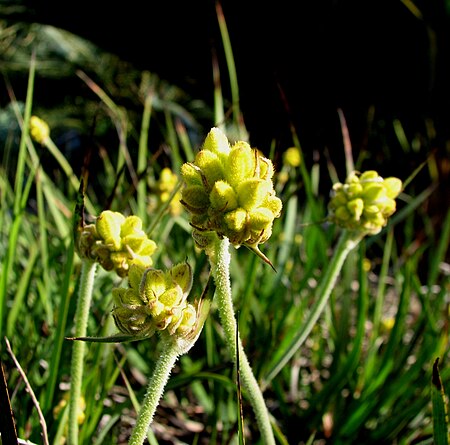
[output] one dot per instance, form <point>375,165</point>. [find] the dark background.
<point>297,63</point>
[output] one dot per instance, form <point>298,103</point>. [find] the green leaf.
<point>116,338</point>
<point>440,415</point>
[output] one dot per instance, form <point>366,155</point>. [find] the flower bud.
<point>39,130</point>
<point>292,157</point>
<point>229,190</point>
<point>167,183</point>
<point>365,202</point>
<point>108,227</point>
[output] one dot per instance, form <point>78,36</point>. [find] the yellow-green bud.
<point>241,162</point>
<point>393,187</point>
<point>253,192</point>
<point>365,202</point>
<point>168,180</point>
<point>292,157</point>
<point>108,227</point>
<point>210,166</point>
<point>229,190</point>
<point>195,199</point>
<point>204,239</point>
<point>223,197</point>
<point>39,130</point>
<point>182,275</point>
<point>217,142</point>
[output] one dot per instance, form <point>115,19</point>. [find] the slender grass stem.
<point>220,265</point>
<point>155,390</point>
<point>81,319</point>
<point>347,242</point>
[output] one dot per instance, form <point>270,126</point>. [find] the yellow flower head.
<point>365,202</point>
<point>155,301</point>
<point>229,190</point>
<point>116,242</point>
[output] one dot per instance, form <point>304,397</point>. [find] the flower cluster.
<point>229,190</point>
<point>116,242</point>
<point>155,301</point>
<point>365,202</point>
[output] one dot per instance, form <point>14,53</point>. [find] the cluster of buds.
<point>365,202</point>
<point>155,301</point>
<point>116,242</point>
<point>229,190</point>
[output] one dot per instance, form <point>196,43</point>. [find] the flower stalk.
<point>167,359</point>
<point>230,196</point>
<point>178,326</point>
<point>347,242</point>
<point>88,270</point>
<point>115,242</point>
<point>219,256</point>
<point>360,207</point>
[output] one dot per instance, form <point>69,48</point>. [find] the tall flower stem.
<point>219,257</point>
<point>87,276</point>
<point>155,390</point>
<point>348,240</point>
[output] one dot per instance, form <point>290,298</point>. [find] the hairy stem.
<point>220,265</point>
<point>155,390</point>
<point>88,270</point>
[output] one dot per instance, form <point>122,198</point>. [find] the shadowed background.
<point>384,63</point>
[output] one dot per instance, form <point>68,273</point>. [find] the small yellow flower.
<point>292,157</point>
<point>116,242</point>
<point>39,130</point>
<point>168,180</point>
<point>365,202</point>
<point>229,190</point>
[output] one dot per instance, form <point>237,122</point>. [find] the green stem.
<point>347,242</point>
<point>155,390</point>
<point>88,270</point>
<point>220,265</point>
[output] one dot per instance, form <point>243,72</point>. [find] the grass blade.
<point>18,196</point>
<point>440,414</point>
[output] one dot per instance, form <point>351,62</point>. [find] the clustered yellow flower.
<point>365,202</point>
<point>39,130</point>
<point>116,242</point>
<point>229,190</point>
<point>155,301</point>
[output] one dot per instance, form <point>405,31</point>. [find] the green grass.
<point>364,375</point>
